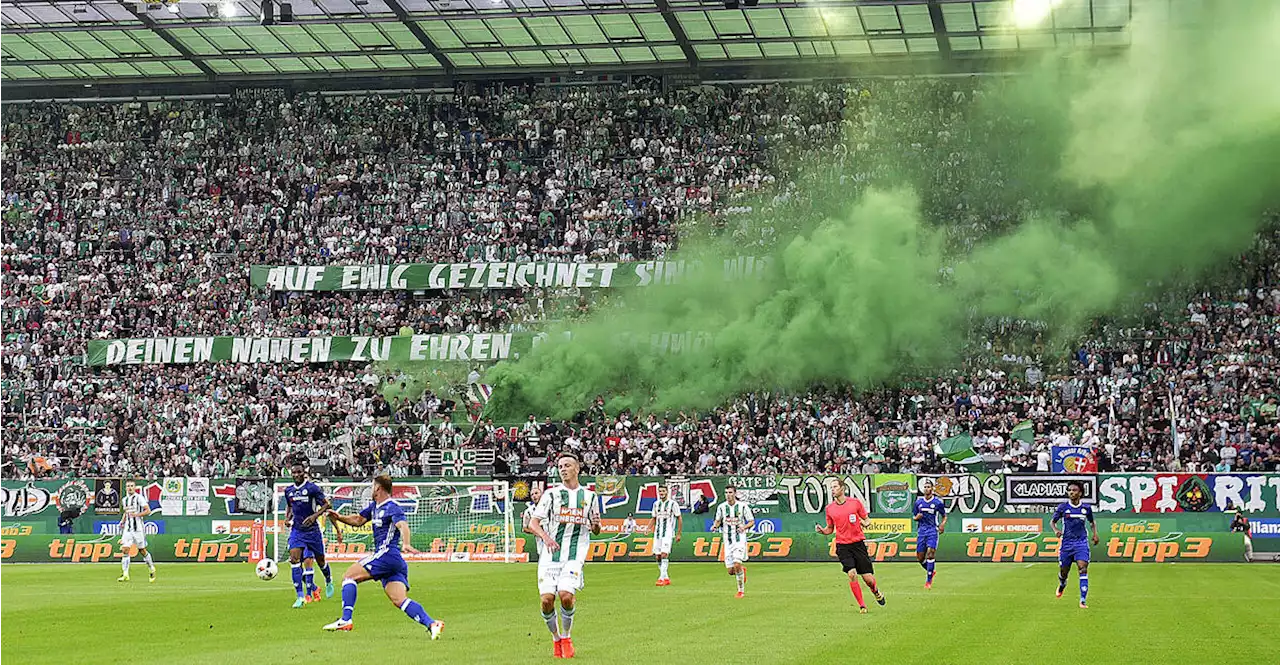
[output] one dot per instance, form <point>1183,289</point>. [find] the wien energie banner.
<point>505,275</point>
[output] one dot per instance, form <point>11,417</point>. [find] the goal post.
<point>454,520</point>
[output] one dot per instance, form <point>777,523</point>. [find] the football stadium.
<point>640,331</point>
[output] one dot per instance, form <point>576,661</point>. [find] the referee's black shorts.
<point>854,556</point>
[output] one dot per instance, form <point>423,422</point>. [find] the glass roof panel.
<point>495,59</point>
<point>619,26</point>
<point>440,34</point>
<point>959,17</point>
<point>392,61</point>
<point>730,23</point>
<point>291,65</point>
<point>511,32</point>
<point>780,50</point>
<point>298,39</point>
<point>879,18</point>
<point>696,25</point>
<point>654,28</point>
<point>463,60</point>
<point>547,31</point>
<point>709,51</point>
<point>262,39</point>
<point>853,47</point>
<point>669,53</point>
<point>583,29</point>
<point>743,51</point>
<point>768,23</point>
<point>1072,15</point>
<point>922,45</point>
<point>474,32</point>
<point>813,23</point>
<point>357,62</point>
<point>1035,40</point>
<point>120,69</point>
<point>531,58</point>
<point>840,21</point>
<point>87,44</point>
<point>915,19</point>
<point>999,42</point>
<point>636,54</point>
<point>54,71</point>
<point>191,38</point>
<point>1110,13</point>
<point>888,46</point>
<point>601,56</point>
<point>424,61</point>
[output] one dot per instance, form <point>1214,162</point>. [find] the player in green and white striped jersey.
<point>564,520</point>
<point>734,520</point>
<point>667,522</point>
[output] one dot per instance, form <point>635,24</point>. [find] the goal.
<point>448,520</point>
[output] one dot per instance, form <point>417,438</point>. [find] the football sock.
<point>924,564</point>
<point>124,564</point>
<point>1084,586</point>
<point>295,569</point>
<point>328,576</point>
<point>1062,580</point>
<point>415,611</point>
<point>150,564</point>
<point>348,598</point>
<point>871,584</point>
<point>742,582</point>
<point>928,566</point>
<point>857,592</point>
<point>553,624</point>
<point>309,579</point>
<point>662,569</point>
<point>566,621</point>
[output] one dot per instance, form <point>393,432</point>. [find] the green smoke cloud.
<point>1143,169</point>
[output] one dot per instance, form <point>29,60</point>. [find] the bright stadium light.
<point>227,9</point>
<point>1030,13</point>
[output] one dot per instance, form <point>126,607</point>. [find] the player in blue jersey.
<point>932,517</point>
<point>1074,513</point>
<point>385,564</point>
<point>304,504</point>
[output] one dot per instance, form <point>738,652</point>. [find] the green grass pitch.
<point>793,613</point>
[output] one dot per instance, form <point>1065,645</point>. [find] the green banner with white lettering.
<point>506,275</point>
<point>358,348</point>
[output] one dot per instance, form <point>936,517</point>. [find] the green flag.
<point>959,449</point>
<point>1024,431</point>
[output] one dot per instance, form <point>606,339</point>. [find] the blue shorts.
<point>311,542</point>
<point>1073,551</point>
<point>926,541</point>
<point>387,566</point>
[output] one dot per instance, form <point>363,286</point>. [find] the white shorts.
<point>663,545</point>
<point>554,577</point>
<point>134,539</point>
<point>735,554</point>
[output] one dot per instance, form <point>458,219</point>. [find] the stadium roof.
<point>46,42</point>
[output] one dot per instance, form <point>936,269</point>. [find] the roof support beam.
<point>678,31</point>
<point>940,29</point>
<point>170,40</point>
<point>430,46</point>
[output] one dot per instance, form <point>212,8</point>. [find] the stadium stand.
<point>141,219</point>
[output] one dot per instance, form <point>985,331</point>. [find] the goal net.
<point>448,521</point>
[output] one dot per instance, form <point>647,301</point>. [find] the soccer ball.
<point>267,570</point>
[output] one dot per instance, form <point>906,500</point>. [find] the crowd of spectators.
<point>142,219</point>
